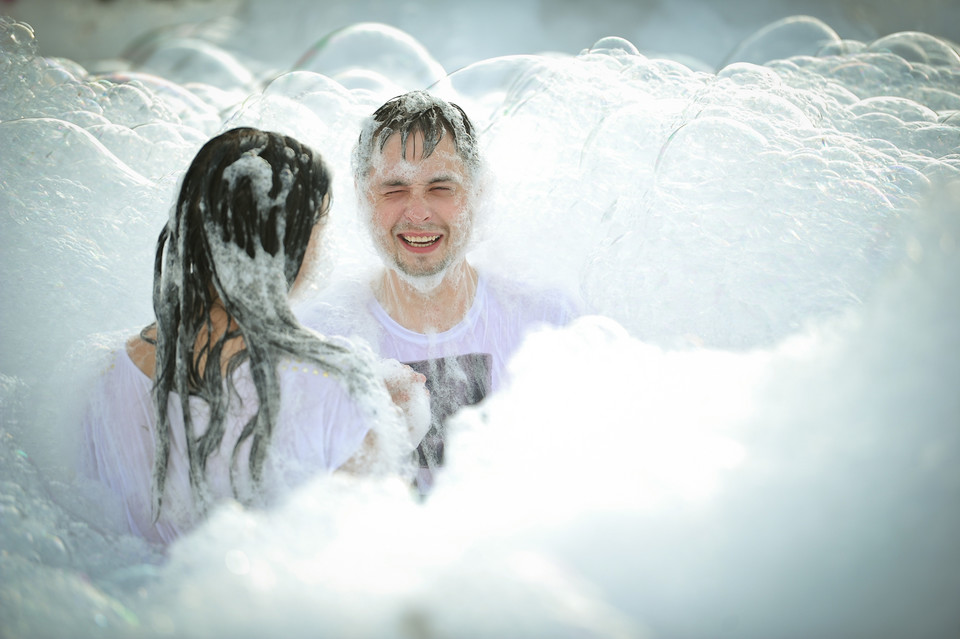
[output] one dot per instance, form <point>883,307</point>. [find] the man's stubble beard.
<point>423,281</point>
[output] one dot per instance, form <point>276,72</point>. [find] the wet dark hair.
<point>416,112</point>
<point>237,237</point>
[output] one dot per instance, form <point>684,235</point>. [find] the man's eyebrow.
<point>445,177</point>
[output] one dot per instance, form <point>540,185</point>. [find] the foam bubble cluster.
<point>809,171</point>
<point>754,435</point>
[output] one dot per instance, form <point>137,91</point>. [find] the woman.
<point>226,395</point>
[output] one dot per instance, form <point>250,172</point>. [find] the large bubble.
<point>371,55</point>
<point>796,35</point>
<point>752,433</point>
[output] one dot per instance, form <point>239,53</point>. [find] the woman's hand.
<point>409,392</point>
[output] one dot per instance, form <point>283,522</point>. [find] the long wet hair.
<point>237,237</point>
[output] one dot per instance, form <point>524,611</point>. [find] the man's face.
<point>420,215</point>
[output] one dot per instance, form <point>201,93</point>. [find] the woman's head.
<point>247,206</point>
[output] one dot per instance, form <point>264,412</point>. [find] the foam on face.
<point>410,170</point>
<point>372,142</point>
<point>776,214</point>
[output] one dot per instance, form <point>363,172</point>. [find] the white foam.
<point>757,438</point>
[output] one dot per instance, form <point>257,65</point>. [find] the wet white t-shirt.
<point>318,428</point>
<point>463,364</point>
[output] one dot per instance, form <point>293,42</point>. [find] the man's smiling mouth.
<point>420,241</point>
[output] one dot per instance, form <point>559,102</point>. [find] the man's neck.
<point>434,311</point>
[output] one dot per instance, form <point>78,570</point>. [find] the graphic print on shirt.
<point>460,380</point>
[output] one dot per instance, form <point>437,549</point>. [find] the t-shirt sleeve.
<point>340,311</point>
<point>536,307</point>
<point>560,309</point>
<point>117,448</point>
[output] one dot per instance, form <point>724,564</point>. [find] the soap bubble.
<point>750,433</point>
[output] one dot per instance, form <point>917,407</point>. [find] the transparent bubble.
<point>274,111</point>
<point>752,75</point>
<point>55,75</point>
<point>167,100</point>
<point>298,85</point>
<point>31,88</point>
<point>130,103</point>
<point>75,70</point>
<point>329,101</point>
<point>70,206</point>
<point>375,48</point>
<point>842,47</point>
<point>665,78</point>
<point>16,38</point>
<point>183,60</point>
<point>482,87</point>
<point>690,152</point>
<point>918,47</point>
<point>937,99</point>
<point>903,109</point>
<point>792,36</point>
<point>936,140</point>
<point>84,119</point>
<point>54,147</point>
<point>614,45</point>
<point>370,82</point>
<point>635,131</point>
<point>152,150</point>
<point>861,75</point>
<point>779,286</point>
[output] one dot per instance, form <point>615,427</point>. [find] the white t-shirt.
<point>318,428</point>
<point>463,364</point>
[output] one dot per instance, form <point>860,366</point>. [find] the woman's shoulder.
<point>142,350</point>
<point>528,302</point>
<point>120,396</point>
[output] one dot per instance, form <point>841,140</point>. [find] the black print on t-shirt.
<point>461,380</point>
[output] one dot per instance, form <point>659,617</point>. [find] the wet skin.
<point>420,217</point>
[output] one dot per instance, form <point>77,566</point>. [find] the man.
<point>420,182</point>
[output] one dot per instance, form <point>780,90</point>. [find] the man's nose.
<point>417,209</point>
